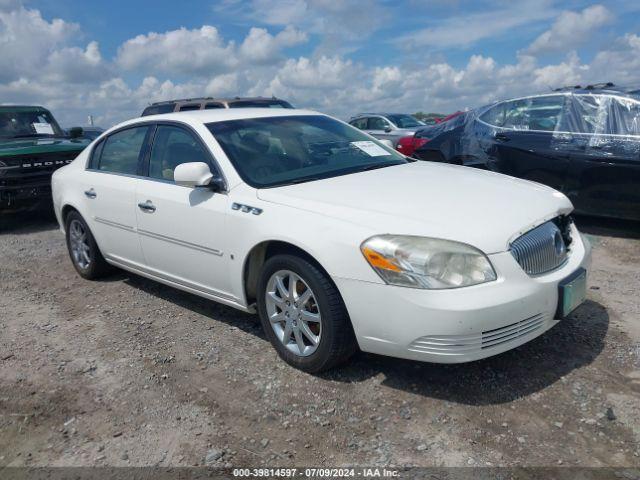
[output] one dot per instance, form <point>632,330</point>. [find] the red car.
<point>407,145</point>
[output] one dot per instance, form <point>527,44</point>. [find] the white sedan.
<point>335,239</point>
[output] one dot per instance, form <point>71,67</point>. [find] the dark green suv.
<point>32,147</point>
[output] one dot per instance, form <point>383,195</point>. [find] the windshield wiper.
<point>29,135</point>
<point>375,166</point>
<point>299,180</point>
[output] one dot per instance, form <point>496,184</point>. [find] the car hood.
<point>484,209</point>
<point>35,146</point>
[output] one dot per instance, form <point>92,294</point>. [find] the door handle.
<point>501,137</point>
<point>147,206</point>
<point>91,193</point>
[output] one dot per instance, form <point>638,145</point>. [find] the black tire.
<point>97,266</point>
<point>337,342</point>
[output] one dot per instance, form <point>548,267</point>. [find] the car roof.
<point>220,115</point>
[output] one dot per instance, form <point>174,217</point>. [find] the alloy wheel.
<point>79,244</point>
<point>294,313</point>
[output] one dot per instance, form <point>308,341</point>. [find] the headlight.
<point>430,263</point>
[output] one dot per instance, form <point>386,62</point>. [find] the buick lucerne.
<point>335,239</point>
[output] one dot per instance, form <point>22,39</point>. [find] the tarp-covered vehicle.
<point>32,147</point>
<point>583,142</point>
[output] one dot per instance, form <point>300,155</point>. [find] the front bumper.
<point>13,196</point>
<point>459,325</point>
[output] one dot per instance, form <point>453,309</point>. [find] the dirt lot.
<point>129,372</point>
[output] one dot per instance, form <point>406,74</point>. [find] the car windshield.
<point>404,121</point>
<point>275,151</point>
<point>28,123</point>
<point>260,104</point>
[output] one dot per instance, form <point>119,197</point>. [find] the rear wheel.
<point>83,250</point>
<point>303,314</point>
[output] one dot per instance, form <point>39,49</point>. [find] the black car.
<point>208,103</point>
<point>584,142</point>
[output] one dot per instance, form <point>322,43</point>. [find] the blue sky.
<point>112,58</point>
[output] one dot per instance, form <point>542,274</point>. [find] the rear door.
<point>181,228</point>
<point>526,144</point>
<point>109,186</point>
<point>605,165</point>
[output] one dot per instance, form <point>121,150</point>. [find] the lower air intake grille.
<point>468,344</point>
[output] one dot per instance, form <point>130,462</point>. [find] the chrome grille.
<point>540,250</point>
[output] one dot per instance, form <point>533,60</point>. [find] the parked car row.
<point>303,219</point>
<point>584,142</point>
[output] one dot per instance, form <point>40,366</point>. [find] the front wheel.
<point>303,314</point>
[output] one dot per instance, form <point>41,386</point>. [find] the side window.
<point>360,123</point>
<point>211,106</point>
<point>173,146</point>
<point>623,116</point>
<point>537,113</point>
<point>121,151</point>
<point>544,113</point>
<point>377,123</point>
<point>494,116</point>
<point>157,109</point>
<point>189,106</point>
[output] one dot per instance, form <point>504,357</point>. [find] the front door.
<point>526,143</point>
<point>379,128</point>
<point>181,228</point>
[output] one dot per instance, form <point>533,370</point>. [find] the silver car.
<point>387,126</point>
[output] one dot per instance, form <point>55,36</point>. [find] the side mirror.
<point>193,174</point>
<point>387,129</point>
<point>75,132</point>
<point>386,142</point>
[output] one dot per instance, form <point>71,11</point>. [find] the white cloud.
<point>340,25</point>
<point>27,40</point>
<point>223,85</point>
<point>262,47</point>
<point>40,62</point>
<point>199,51</point>
<point>571,29</point>
<point>465,30</point>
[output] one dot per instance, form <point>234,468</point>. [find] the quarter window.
<point>173,146</point>
<point>121,151</point>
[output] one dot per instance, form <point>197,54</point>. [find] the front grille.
<point>540,250</point>
<point>469,344</point>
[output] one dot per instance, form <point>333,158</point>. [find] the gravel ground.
<point>126,372</point>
